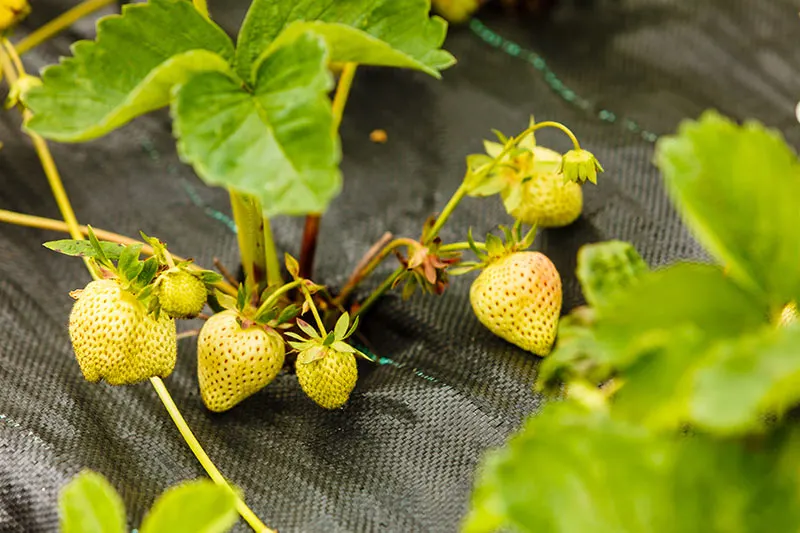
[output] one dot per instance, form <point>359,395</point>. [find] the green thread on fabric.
<point>557,85</point>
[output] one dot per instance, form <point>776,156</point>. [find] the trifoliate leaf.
<point>741,380</point>
<point>129,70</point>
<point>737,189</point>
<point>193,507</point>
<point>89,504</point>
<point>668,300</point>
<point>275,142</point>
<point>77,248</point>
<point>383,32</point>
<point>572,470</point>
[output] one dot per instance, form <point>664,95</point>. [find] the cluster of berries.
<point>122,328</point>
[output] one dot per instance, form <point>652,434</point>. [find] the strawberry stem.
<point>60,23</point>
<point>308,246</point>
<point>273,264</point>
<point>273,298</point>
<point>203,458</point>
<point>314,311</point>
<point>387,284</point>
<point>45,157</point>
<point>358,276</point>
<point>247,216</point>
<point>458,246</point>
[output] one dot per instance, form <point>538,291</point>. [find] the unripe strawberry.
<point>181,294</point>
<point>330,379</point>
<point>545,200</point>
<point>518,298</point>
<point>114,338</point>
<point>233,362</point>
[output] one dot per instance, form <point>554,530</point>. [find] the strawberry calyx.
<point>122,263</point>
<point>496,248</point>
<point>317,345</point>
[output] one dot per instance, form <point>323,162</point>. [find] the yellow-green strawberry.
<point>115,339</point>
<point>326,365</point>
<point>537,185</point>
<point>518,298</point>
<point>544,199</point>
<point>236,359</point>
<point>181,293</point>
<point>518,294</point>
<point>330,379</point>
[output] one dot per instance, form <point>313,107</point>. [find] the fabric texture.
<point>400,457</point>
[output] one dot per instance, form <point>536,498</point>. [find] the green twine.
<point>568,95</point>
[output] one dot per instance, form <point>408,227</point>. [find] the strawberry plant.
<point>676,389</point>
<point>260,118</point>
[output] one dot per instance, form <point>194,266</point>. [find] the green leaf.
<point>289,312</point>
<point>276,142</point>
<point>129,261</point>
<point>570,470</point>
<point>84,248</point>
<point>576,356</point>
<point>744,379</point>
<point>241,297</point>
<point>606,268</point>
<point>211,278</point>
<point>668,300</point>
<point>340,330</point>
<point>193,507</point>
<point>377,32</point>
<point>149,270</point>
<point>737,188</point>
<point>266,316</point>
<point>129,70</point>
<point>89,504</point>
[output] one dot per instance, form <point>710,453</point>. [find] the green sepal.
<point>84,248</point>
<point>308,329</point>
<point>289,312</point>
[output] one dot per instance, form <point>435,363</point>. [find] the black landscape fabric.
<point>400,457</point>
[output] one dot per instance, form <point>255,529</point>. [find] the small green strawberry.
<point>518,295</point>
<point>235,359</point>
<point>538,186</point>
<point>181,293</point>
<point>326,365</point>
<point>114,338</point>
<point>543,198</point>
